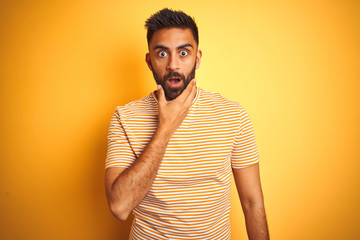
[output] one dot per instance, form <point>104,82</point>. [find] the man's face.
<point>173,58</point>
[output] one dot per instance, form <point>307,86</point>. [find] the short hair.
<point>167,18</point>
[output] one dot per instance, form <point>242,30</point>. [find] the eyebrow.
<point>179,47</point>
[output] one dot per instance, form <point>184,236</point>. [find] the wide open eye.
<point>162,54</point>
<point>183,53</point>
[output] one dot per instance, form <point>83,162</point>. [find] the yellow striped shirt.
<point>190,196</point>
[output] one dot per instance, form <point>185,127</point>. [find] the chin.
<point>171,95</point>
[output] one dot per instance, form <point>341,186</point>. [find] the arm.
<point>249,189</point>
<point>126,187</point>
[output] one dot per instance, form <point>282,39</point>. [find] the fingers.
<point>192,94</point>
<point>189,90</point>
<point>191,86</point>
<point>160,93</point>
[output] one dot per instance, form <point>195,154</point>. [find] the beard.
<point>172,93</point>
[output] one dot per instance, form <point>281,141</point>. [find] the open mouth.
<point>174,80</point>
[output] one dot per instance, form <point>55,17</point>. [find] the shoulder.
<point>143,106</point>
<point>217,101</point>
<point>225,109</point>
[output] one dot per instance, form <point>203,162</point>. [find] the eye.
<point>183,53</point>
<point>162,54</point>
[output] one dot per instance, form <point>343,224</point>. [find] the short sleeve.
<point>119,152</point>
<point>244,153</point>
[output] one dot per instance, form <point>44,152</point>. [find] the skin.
<point>248,185</point>
<point>126,187</point>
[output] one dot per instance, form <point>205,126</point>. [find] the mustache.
<point>174,74</point>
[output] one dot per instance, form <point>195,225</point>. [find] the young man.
<point>171,153</point>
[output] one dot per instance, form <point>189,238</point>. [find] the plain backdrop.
<point>65,66</point>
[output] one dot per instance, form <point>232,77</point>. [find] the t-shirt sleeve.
<point>119,152</point>
<point>244,153</point>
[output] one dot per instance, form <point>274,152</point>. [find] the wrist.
<point>163,135</point>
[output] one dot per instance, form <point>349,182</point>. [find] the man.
<point>171,153</point>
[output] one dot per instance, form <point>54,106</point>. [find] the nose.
<point>173,63</point>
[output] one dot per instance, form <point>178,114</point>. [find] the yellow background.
<point>66,65</point>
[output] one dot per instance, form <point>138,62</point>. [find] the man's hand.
<point>172,113</point>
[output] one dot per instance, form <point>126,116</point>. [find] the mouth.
<point>174,79</point>
<point>174,82</point>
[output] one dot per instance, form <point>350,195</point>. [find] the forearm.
<point>132,185</point>
<point>256,223</point>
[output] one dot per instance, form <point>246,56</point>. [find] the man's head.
<point>173,50</point>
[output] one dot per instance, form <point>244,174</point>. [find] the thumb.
<point>160,93</point>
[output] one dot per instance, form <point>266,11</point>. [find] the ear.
<point>198,58</point>
<point>148,60</point>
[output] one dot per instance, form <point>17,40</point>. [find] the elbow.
<point>252,204</point>
<point>122,216</point>
<point>119,212</point>
<point>252,207</point>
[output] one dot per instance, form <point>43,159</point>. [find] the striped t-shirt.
<point>190,196</point>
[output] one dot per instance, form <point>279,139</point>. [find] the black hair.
<point>167,18</point>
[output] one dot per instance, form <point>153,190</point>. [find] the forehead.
<point>172,37</point>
